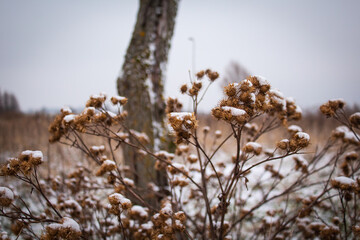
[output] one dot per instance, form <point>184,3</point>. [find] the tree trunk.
<point>141,81</point>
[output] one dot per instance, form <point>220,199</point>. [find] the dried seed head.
<point>118,199</point>
<point>253,147</point>
<point>343,183</point>
<point>351,156</point>
<point>192,158</point>
<point>200,74</point>
<point>230,90</point>
<point>218,134</point>
<point>283,144</point>
<point>183,88</point>
<point>299,140</point>
<point>6,196</point>
<point>212,75</point>
<point>331,107</point>
<point>355,119</point>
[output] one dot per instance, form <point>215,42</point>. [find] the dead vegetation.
<point>246,172</point>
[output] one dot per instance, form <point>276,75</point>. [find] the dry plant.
<point>247,192</point>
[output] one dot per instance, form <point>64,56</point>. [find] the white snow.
<point>218,132</point>
<point>89,110</point>
<point>303,135</point>
<point>73,203</point>
<point>298,109</point>
<point>254,145</point>
<point>70,223</point>
<point>180,115</point>
<point>290,100</point>
<point>178,223</point>
<point>120,198</point>
<point>100,96</point>
<point>119,98</point>
<point>183,147</point>
<point>165,153</point>
<point>253,97</point>
<point>111,114</point>
<point>37,154</point>
<point>98,148</point>
<point>295,128</point>
<point>168,222</point>
<point>66,223</point>
<point>347,133</point>
<point>357,115</point>
<point>345,180</point>
<point>234,111</point>
<point>337,100</point>
<point>66,110</point>
<point>167,209</point>
<point>262,80</point>
<point>247,82</point>
<point>193,157</point>
<point>34,154</point>
<point>26,152</point>
<point>140,210</point>
<point>69,118</point>
<point>181,167</point>
<point>206,128</point>
<point>128,182</point>
<point>108,162</point>
<point>148,226</point>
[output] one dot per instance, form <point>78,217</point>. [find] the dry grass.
<point>19,132</point>
<point>22,131</point>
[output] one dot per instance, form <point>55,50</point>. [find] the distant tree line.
<point>8,103</point>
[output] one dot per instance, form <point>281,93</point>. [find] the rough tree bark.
<point>141,80</point>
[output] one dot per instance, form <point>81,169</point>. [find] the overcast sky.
<point>56,53</point>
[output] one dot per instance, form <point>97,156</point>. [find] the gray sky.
<point>56,53</point>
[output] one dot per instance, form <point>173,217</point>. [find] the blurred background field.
<point>19,131</point>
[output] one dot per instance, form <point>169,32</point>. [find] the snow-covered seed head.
<point>12,167</point>
<point>117,199</point>
<point>355,119</point>
<point>6,197</point>
<point>343,183</point>
<point>180,216</point>
<point>283,144</point>
<point>106,166</point>
<point>192,158</point>
<point>351,156</point>
<point>260,83</point>
<point>183,123</point>
<point>230,114</point>
<point>96,101</point>
<point>139,212</point>
<point>252,147</point>
<point>230,90</point>
<point>299,140</point>
<point>97,150</point>
<point>206,129</point>
<point>66,229</point>
<point>331,107</point>
<point>356,230</point>
<point>119,100</point>
<point>253,96</point>
<point>293,129</point>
